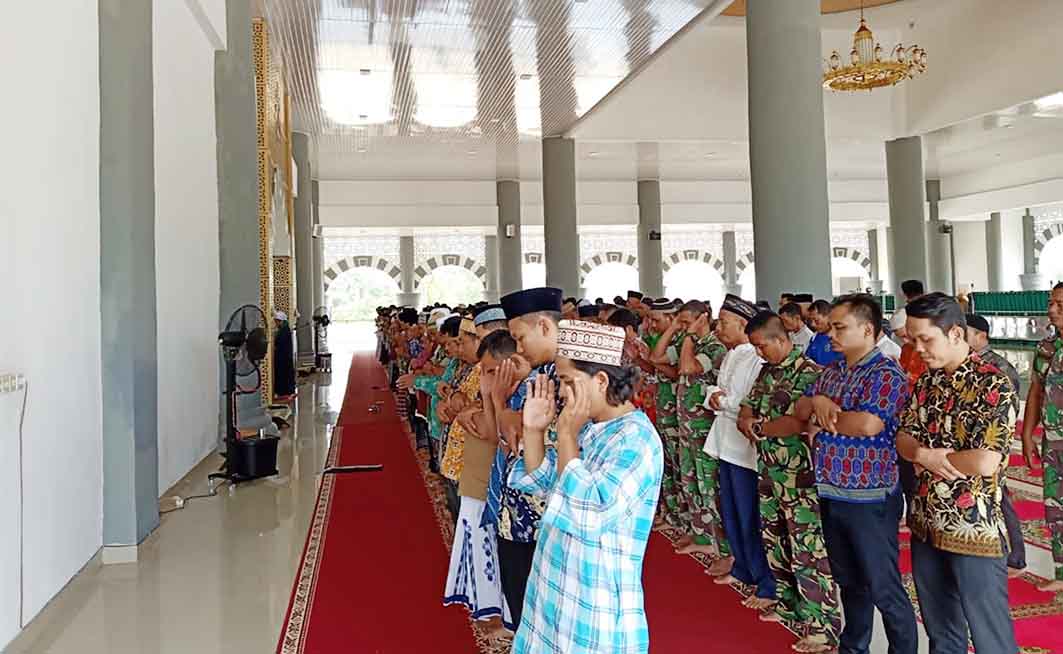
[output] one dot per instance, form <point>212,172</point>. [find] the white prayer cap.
<point>280,315</point>
<point>899,318</point>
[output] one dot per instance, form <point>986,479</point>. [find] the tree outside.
<point>451,285</point>
<point>355,294</point>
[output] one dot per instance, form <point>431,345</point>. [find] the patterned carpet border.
<point>434,487</point>
<point>293,637</point>
<point>1034,532</point>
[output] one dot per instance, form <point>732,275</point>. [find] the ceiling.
<point>827,6</point>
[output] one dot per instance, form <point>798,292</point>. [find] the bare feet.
<point>1015,572</point>
<point>725,580</point>
<point>1051,587</point>
<point>694,547</point>
<point>808,645</point>
<point>758,603</point>
<point>721,566</point>
<point>769,616</point>
<point>683,542</point>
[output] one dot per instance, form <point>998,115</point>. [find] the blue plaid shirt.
<point>585,589</point>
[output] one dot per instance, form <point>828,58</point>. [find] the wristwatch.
<point>758,427</point>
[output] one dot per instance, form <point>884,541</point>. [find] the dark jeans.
<point>862,547</point>
<point>515,564</point>
<point>1017,553</point>
<point>907,474</point>
<point>959,592</point>
<point>453,500</point>
<point>740,506</point>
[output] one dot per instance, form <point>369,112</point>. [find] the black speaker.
<point>255,457</point>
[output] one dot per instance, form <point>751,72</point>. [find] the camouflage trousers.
<point>793,541</point>
<point>1052,460</point>
<point>699,485</point>
<point>672,507</point>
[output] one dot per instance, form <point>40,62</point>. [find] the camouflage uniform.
<point>699,471</point>
<point>677,511</point>
<point>1048,368</point>
<point>789,505</point>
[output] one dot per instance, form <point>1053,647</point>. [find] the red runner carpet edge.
<point>369,581</point>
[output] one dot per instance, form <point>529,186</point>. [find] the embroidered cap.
<point>634,295</point>
<point>663,305</point>
<point>531,300</point>
<point>741,308</point>
<point>587,341</point>
<point>467,327</point>
<point>489,313</point>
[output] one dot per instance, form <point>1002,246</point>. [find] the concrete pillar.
<point>491,251</point>
<point>994,253</point>
<point>128,328</point>
<point>560,222</point>
<point>1031,279</point>
<point>872,254</point>
<point>939,252</point>
<point>730,264</point>
<point>907,198</point>
<point>791,232</point>
<point>304,243</point>
<point>510,253</point>
<point>409,297</point>
<point>318,251</point>
<point>651,268</point>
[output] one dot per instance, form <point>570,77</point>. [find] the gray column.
<point>491,251</point>
<point>791,233</point>
<point>129,362</point>
<point>651,268</point>
<point>939,252</point>
<point>907,198</point>
<point>510,252</point>
<point>730,264</point>
<point>994,253</point>
<point>560,222</point>
<point>304,243</point>
<point>319,250</point>
<point>1031,279</point>
<point>872,254</point>
<point>408,297</point>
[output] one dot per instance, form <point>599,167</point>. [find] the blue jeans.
<point>862,548</point>
<point>740,506</point>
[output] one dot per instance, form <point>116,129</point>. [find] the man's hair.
<point>912,287</point>
<point>569,300</point>
<point>451,326</point>
<point>767,322</point>
<point>822,307</point>
<point>554,316</point>
<point>498,344</point>
<point>1058,286</point>
<point>624,318</point>
<point>790,309</point>
<point>943,311</point>
<point>694,306</point>
<point>622,379</point>
<point>494,325</point>
<point>865,308</point>
<point>786,296</point>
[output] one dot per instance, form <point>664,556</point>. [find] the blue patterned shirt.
<point>861,468</point>
<point>585,589</point>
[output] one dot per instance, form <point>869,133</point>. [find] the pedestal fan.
<point>322,360</point>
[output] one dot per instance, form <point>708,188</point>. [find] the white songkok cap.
<point>587,341</point>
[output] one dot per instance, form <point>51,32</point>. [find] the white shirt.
<point>802,337</point>
<point>887,347</point>
<point>738,372</point>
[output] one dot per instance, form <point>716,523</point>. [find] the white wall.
<point>49,209</point>
<point>186,234</point>
<point>1011,241</point>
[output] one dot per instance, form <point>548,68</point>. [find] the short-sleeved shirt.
<point>1048,369</point>
<point>693,414</point>
<point>819,350</point>
<point>968,409</point>
<point>991,357</point>
<point>667,409</point>
<point>454,453</point>
<point>774,395</point>
<point>861,469</point>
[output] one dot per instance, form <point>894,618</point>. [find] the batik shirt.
<point>774,395</point>
<point>968,409</point>
<point>667,412</point>
<point>861,468</point>
<point>585,589</point>
<point>427,384</point>
<point>516,514</point>
<point>710,353</point>
<point>1048,368</point>
<point>994,359</point>
<point>454,454</point>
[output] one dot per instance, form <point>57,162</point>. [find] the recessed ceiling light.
<point>593,154</point>
<point>526,77</point>
<point>471,152</point>
<point>361,149</point>
<point>364,71</point>
<point>710,154</point>
<point>363,116</point>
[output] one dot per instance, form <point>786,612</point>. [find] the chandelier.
<point>867,69</point>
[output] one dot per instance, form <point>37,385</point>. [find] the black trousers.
<point>958,593</point>
<point>515,564</point>
<point>862,546</point>
<point>453,500</point>
<point>1017,553</point>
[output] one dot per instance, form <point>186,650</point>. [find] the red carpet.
<point>372,575</point>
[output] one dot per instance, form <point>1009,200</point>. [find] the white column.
<point>651,269</point>
<point>491,251</point>
<point>907,198</point>
<point>1031,279</point>
<point>408,297</point>
<point>560,222</point>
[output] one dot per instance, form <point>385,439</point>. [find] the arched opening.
<point>451,285</point>
<point>533,275</point>
<point>352,298</point>
<point>1051,262</point>
<point>695,280</point>
<point>847,276</point>
<point>747,281</point>
<point>610,279</point>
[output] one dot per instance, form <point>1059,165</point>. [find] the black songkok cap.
<point>739,307</point>
<point>588,310</point>
<point>663,305</point>
<point>978,322</point>
<point>634,295</point>
<point>532,300</point>
<point>408,316</point>
<point>802,298</point>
